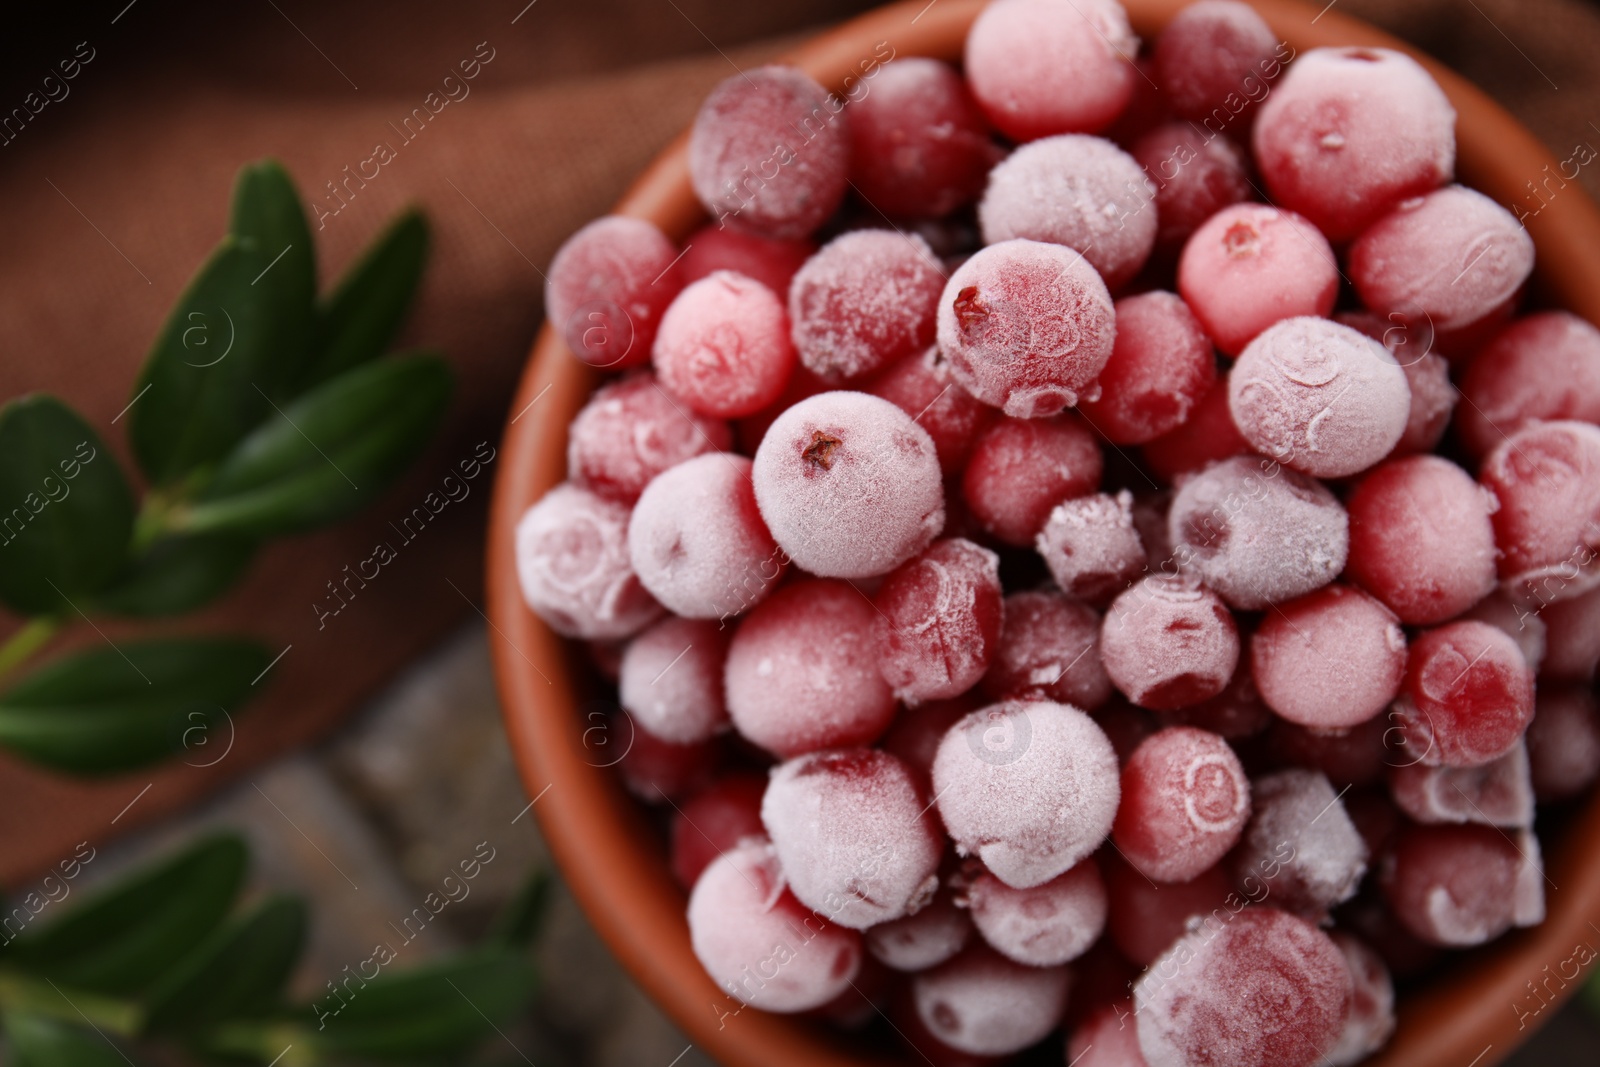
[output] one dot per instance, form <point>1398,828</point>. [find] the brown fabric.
<point>114,194</point>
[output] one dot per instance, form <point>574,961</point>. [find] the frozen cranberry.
<point>1150,520</point>
<point>1145,916</point>
<point>1079,191</point>
<point>630,431</point>
<point>714,821</point>
<point>1161,365</point>
<point>1185,800</point>
<point>919,144</point>
<point>1349,133</point>
<point>1520,622</point>
<point>760,944</point>
<point>771,261</point>
<point>799,677</point>
<point>938,621</point>
<point>1044,925</point>
<point>1329,659</point>
<point>770,152</point>
<point>1370,1020</point>
<point>1251,265</point>
<point>1433,398</point>
<point>1050,647</point>
<point>802,386</point>
<point>1027,327</point>
<point>1420,538</point>
<point>864,301</point>
<point>1235,713</point>
<point>1256,533</point>
<point>1546,477</point>
<point>1091,547</point>
<point>723,346</point>
<point>1263,987</point>
<point>696,538</point>
<point>1545,366</point>
<point>1458,886</point>
<point>1029,787</point>
<point>607,288</point>
<point>922,386</point>
<point>1355,755</point>
<point>916,732</point>
<point>1563,742</point>
<point>572,564</point>
<point>924,939</point>
<point>1497,793</point>
<point>1216,56</point>
<point>653,770</point>
<point>854,834</point>
<point>1169,642</point>
<point>1207,436</point>
<point>671,680</point>
<point>1022,468</point>
<point>1452,257</point>
<point>1572,641</point>
<point>1038,67</point>
<point>1300,849</point>
<point>982,1003</point>
<point>1195,174</point>
<point>1468,695</point>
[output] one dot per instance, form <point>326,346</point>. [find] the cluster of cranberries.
<point>1113,549</point>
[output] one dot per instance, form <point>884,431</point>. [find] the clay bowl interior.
<point>608,850</point>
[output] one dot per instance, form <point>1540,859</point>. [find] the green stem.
<point>26,641</point>
<point>29,995</point>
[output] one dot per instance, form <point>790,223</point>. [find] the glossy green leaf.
<point>67,510</point>
<point>177,574</point>
<point>110,709</point>
<point>361,316</point>
<point>266,214</point>
<point>35,1041</point>
<point>239,973</point>
<point>131,933</point>
<point>428,1011</point>
<point>329,452</point>
<point>519,920</point>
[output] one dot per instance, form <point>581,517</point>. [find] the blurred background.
<point>376,761</point>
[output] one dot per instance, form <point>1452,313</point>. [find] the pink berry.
<point>1161,366</point>
<point>919,144</point>
<point>923,940</point>
<point>608,286</point>
<point>1075,190</point>
<point>698,542</point>
<point>770,152</point>
<point>1147,916</point>
<point>1045,925</point>
<point>1022,468</point>
<point>671,680</point>
<point>723,346</point>
<point>1049,647</point>
<point>572,564</point>
<point>1251,265</point>
<point>938,621</point>
<point>1196,175</point>
<point>1348,133</point>
<point>1433,398</point>
<point>802,386</point>
<point>1107,1037</point>
<point>772,261</point>
<point>1563,742</point>
<point>653,770</point>
<point>1458,886</point>
<point>1169,642</point>
<point>1260,988</point>
<point>864,301</point>
<point>1300,849</point>
<point>1497,793</point>
<point>1522,623</point>
<point>1256,533</point>
<point>854,834</point>
<point>1185,800</point>
<point>1234,714</point>
<point>1207,436</point>
<point>1369,1020</point>
<point>1215,56</point>
<point>1319,397</point>
<point>630,431</point>
<point>982,1003</point>
<point>714,821</point>
<point>1452,257</point>
<point>1027,327</point>
<point>799,678</point>
<point>1421,539</point>
<point>1330,659</point>
<point>1544,366</point>
<point>849,485</point>
<point>916,733</point>
<point>1029,787</point>
<point>1467,697</point>
<point>922,386</point>
<point>760,944</point>
<point>1546,477</point>
<point>1091,547</point>
<point>1038,67</point>
<point>1572,636</point>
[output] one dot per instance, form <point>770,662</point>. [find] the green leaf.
<point>39,1042</point>
<point>239,973</point>
<point>177,574</point>
<point>112,709</point>
<point>68,510</point>
<point>519,921</point>
<point>361,316</point>
<point>130,934</point>
<point>329,452</point>
<point>266,215</point>
<point>441,1008</point>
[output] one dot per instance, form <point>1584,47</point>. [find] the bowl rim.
<point>616,867</point>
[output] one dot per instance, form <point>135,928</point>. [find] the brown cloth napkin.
<point>113,193</point>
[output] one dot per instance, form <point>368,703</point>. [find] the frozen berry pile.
<point>1090,546</point>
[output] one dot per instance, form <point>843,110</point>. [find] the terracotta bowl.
<point>1471,1015</point>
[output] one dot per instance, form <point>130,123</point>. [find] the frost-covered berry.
<point>1433,398</point>
<point>1049,646</point>
<point>1497,793</point>
<point>608,287</point>
<point>1216,56</point>
<point>922,386</point>
<point>926,939</point>
<point>983,1004</point>
<point>1185,800</point>
<point>1300,845</point>
<point>1563,742</point>
<point>1106,1037</point>
<point>1544,366</point>
<point>1045,925</point>
<point>938,621</point>
<point>916,734</point>
<point>671,680</point>
<point>1147,916</point>
<point>1330,659</point>
<point>630,431</point>
<point>1022,468</point>
<point>713,821</point>
<point>1207,436</point>
<point>572,565</point>
<point>723,346</point>
<point>1370,1020</point>
<point>771,261</point>
<point>1161,365</point>
<point>1572,636</point>
<point>1169,642</point>
<point>1195,174</point>
<point>1546,477</point>
<point>1091,546</point>
<point>1458,886</point>
<point>653,770</point>
<point>1467,696</point>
